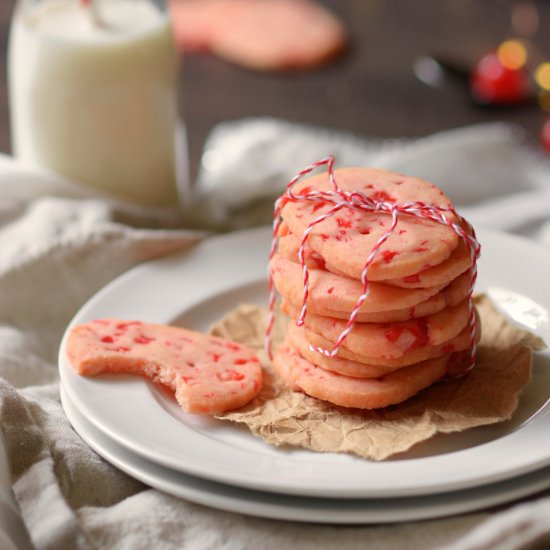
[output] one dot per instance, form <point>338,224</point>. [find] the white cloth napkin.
<point>489,171</point>
<point>60,243</point>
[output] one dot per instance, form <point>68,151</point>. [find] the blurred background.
<point>371,89</point>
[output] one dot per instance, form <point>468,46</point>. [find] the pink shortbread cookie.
<point>277,34</point>
<point>458,262</point>
<point>298,338</point>
<point>391,340</point>
<point>459,342</point>
<point>451,295</point>
<point>194,22</point>
<point>331,292</point>
<point>363,393</point>
<point>207,374</point>
<point>346,239</point>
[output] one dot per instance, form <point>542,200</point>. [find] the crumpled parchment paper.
<point>487,395</point>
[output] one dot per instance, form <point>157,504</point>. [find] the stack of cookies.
<point>413,328</point>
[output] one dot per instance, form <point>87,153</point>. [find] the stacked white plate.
<point>139,427</point>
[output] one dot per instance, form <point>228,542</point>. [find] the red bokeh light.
<point>493,83</point>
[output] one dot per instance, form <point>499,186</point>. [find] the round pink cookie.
<point>346,239</point>
<point>208,374</point>
<point>458,262</point>
<point>451,295</point>
<point>296,337</point>
<point>459,343</point>
<point>391,340</point>
<point>277,34</point>
<point>195,22</point>
<point>362,393</point>
<point>328,291</point>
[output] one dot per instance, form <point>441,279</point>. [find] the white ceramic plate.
<point>292,508</point>
<point>200,286</point>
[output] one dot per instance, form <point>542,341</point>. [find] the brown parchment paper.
<point>488,394</point>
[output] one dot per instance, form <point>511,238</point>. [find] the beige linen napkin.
<point>54,254</point>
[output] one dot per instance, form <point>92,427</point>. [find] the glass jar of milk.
<point>93,95</point>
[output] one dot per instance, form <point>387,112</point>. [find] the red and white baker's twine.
<point>339,199</point>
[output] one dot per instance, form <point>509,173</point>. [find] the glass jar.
<point>94,96</point>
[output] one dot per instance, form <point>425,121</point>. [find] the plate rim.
<point>296,509</point>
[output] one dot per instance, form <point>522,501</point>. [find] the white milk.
<point>97,103</point>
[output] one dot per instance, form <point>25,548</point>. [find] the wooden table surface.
<point>371,90</point>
